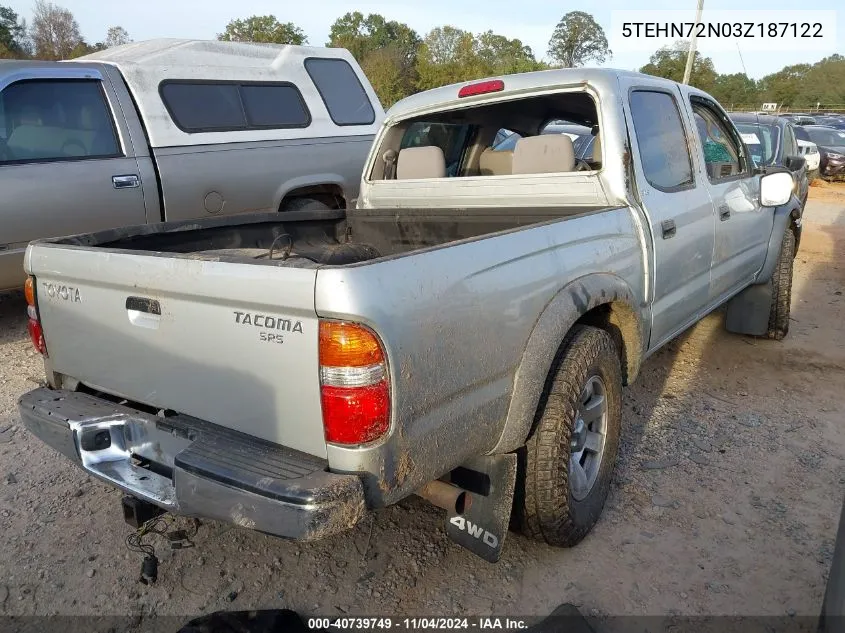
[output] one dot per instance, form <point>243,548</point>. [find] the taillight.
<point>36,333</point>
<point>354,386</point>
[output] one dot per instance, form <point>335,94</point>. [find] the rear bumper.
<point>194,468</point>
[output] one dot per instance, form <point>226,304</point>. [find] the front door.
<point>64,169</point>
<point>678,207</point>
<point>743,227</point>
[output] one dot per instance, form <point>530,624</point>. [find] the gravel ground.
<point>725,501</point>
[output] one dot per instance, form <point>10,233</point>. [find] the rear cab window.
<point>482,140</point>
<point>341,90</point>
<point>209,106</point>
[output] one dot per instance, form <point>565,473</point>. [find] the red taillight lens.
<point>355,392</point>
<point>481,88</point>
<point>36,333</point>
<point>356,415</point>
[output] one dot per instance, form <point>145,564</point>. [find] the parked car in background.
<point>831,144</point>
<point>176,129</point>
<point>836,122</point>
<point>771,141</point>
<point>799,118</point>
<point>810,152</point>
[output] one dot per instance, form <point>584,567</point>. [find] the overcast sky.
<point>532,21</point>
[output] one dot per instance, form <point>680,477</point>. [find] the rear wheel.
<point>782,289</point>
<point>304,204</point>
<point>569,460</point>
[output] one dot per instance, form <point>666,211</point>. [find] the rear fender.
<point>569,305</point>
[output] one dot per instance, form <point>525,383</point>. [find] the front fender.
<point>569,305</point>
<point>786,216</point>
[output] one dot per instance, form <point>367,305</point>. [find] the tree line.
<point>53,35</point>
<point>399,61</point>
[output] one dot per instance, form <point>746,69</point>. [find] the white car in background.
<point>810,152</point>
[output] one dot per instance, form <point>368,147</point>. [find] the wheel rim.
<point>588,439</point>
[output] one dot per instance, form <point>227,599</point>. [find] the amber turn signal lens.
<point>29,291</point>
<point>348,345</point>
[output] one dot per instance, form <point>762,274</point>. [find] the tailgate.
<point>233,344</point>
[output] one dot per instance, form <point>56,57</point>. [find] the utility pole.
<point>691,53</point>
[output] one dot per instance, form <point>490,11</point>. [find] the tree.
<point>265,29</point>
<point>386,50</point>
<point>13,35</point>
<point>670,62</point>
<point>736,89</point>
<point>55,32</point>
<point>450,55</point>
<point>577,39</point>
<point>116,36</point>
<point>503,56</point>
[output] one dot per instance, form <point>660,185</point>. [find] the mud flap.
<point>482,528</point>
<point>748,312</point>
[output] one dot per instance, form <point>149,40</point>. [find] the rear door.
<point>678,206</point>
<point>743,227</point>
<point>66,164</point>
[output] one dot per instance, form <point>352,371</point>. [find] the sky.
<point>531,21</point>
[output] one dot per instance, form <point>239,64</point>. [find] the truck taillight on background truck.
<point>36,333</point>
<point>354,386</point>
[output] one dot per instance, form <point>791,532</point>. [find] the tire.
<point>551,511</point>
<point>303,204</point>
<point>782,289</point>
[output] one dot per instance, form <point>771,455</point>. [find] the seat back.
<point>495,163</point>
<point>544,154</point>
<point>420,162</point>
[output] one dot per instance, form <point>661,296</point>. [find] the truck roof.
<point>446,96</point>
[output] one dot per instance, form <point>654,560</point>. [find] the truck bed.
<point>310,239</point>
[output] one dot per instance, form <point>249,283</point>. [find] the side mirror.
<point>776,188</point>
<point>795,163</point>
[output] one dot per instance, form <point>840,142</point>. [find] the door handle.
<point>669,229</point>
<point>724,213</point>
<point>130,181</point>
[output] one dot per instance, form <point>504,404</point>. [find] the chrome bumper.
<point>194,468</point>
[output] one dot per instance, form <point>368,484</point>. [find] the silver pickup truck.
<point>463,334</point>
<point>173,130</point>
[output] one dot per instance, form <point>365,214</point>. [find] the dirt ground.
<point>725,501</point>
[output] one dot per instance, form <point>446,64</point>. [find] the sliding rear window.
<point>208,106</point>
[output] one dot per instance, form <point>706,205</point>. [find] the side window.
<point>197,106</point>
<point>722,154</point>
<point>274,106</point>
<point>54,120</point>
<point>341,91</point>
<point>451,138</point>
<point>661,140</point>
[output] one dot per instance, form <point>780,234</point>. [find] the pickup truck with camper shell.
<point>464,333</point>
<point>176,130</point>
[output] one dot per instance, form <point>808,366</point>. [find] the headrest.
<point>544,154</point>
<point>420,162</point>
